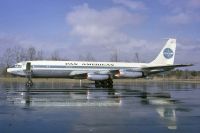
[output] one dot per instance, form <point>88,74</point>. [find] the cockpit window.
<point>18,66</point>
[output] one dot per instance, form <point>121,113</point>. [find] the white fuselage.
<point>64,69</point>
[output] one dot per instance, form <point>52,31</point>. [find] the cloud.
<point>188,52</point>
<point>190,45</point>
<point>194,4</point>
<point>89,22</point>
<point>15,41</point>
<point>7,41</point>
<point>101,32</point>
<point>134,5</point>
<point>103,29</point>
<point>180,18</point>
<point>182,11</point>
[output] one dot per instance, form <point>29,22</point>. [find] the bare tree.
<point>66,58</point>
<point>31,53</point>
<point>19,54</point>
<point>89,57</point>
<point>137,57</point>
<point>81,58</point>
<point>114,56</point>
<point>55,55</point>
<point>7,58</point>
<point>1,62</point>
<point>40,55</point>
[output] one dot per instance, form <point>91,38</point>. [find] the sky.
<point>102,27</point>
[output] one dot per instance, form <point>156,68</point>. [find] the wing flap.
<point>166,66</point>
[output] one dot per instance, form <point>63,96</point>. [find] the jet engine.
<point>129,74</point>
<point>95,77</point>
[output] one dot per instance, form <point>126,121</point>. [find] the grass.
<point>60,80</point>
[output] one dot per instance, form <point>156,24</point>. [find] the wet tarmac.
<point>128,107</point>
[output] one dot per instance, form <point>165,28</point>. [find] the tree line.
<point>17,54</point>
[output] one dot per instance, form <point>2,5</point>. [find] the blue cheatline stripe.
<point>79,67</point>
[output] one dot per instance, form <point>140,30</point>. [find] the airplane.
<point>102,73</point>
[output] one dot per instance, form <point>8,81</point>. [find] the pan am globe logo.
<point>168,53</point>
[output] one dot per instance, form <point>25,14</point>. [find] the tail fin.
<point>167,54</point>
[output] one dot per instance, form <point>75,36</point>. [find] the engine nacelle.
<point>128,74</point>
<point>97,77</point>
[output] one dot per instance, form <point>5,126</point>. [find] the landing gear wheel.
<point>97,84</point>
<point>105,83</point>
<point>110,83</point>
<point>29,83</point>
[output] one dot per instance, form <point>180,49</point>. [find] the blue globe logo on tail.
<point>168,53</point>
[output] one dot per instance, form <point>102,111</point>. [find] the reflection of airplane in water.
<point>61,97</point>
<point>164,105</point>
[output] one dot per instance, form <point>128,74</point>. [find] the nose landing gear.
<point>29,83</point>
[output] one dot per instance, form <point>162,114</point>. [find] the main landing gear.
<point>29,83</point>
<point>104,83</point>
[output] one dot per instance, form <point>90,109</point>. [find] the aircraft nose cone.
<point>9,70</point>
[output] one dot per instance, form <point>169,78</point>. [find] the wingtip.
<point>187,64</point>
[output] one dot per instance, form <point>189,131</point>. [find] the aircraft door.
<point>28,66</point>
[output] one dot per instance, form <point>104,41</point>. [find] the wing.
<point>146,70</point>
<point>158,69</point>
<point>166,66</point>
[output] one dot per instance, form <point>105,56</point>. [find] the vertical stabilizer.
<point>167,54</point>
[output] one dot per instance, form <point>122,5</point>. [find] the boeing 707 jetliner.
<point>102,73</point>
